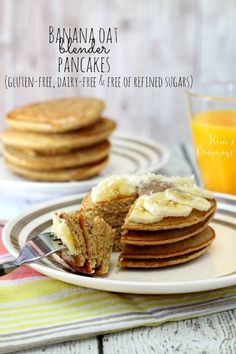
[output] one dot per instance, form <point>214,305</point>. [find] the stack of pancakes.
<point>58,140</point>
<point>148,244</point>
<point>171,241</point>
<point>173,233</point>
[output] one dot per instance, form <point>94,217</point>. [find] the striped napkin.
<point>36,310</point>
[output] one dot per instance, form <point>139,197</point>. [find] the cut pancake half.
<point>115,206</point>
<point>107,245</point>
<point>86,222</point>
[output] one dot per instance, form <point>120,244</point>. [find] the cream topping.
<point>111,188</point>
<point>126,185</point>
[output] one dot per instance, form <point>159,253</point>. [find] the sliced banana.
<point>188,199</point>
<point>112,188</point>
<point>143,216</point>
<point>62,231</point>
<point>200,192</point>
<point>140,215</point>
<point>158,204</point>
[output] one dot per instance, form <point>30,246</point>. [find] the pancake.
<point>59,115</point>
<point>146,238</point>
<point>95,235</point>
<point>80,157</point>
<point>114,206</point>
<point>86,221</point>
<point>60,143</point>
<point>107,246</point>
<point>70,174</point>
<point>117,247</point>
<point>113,212</point>
<point>198,241</point>
<point>159,263</point>
<point>172,222</point>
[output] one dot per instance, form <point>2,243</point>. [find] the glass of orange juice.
<point>212,110</point>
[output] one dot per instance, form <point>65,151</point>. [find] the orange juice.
<point>214,138</point>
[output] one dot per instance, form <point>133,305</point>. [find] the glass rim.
<point>194,92</point>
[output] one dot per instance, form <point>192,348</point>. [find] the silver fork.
<point>37,248</point>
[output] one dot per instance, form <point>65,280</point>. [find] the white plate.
<point>129,154</point>
<point>229,198</point>
<point>215,269</point>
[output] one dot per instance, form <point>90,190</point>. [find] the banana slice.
<point>140,215</point>
<point>143,216</point>
<point>193,201</point>
<point>112,188</point>
<point>200,192</point>
<point>158,204</point>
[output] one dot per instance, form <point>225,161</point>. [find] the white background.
<point>155,37</point>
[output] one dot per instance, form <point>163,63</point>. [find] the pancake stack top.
<point>58,140</point>
<point>159,221</point>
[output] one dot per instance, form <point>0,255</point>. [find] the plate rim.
<point>90,183</point>
<point>104,284</point>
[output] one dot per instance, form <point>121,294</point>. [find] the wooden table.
<point>210,334</point>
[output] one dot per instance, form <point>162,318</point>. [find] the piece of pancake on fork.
<point>88,238</point>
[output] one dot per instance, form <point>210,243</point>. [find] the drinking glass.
<point>212,112</point>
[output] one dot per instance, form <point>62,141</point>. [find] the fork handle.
<point>8,267</point>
